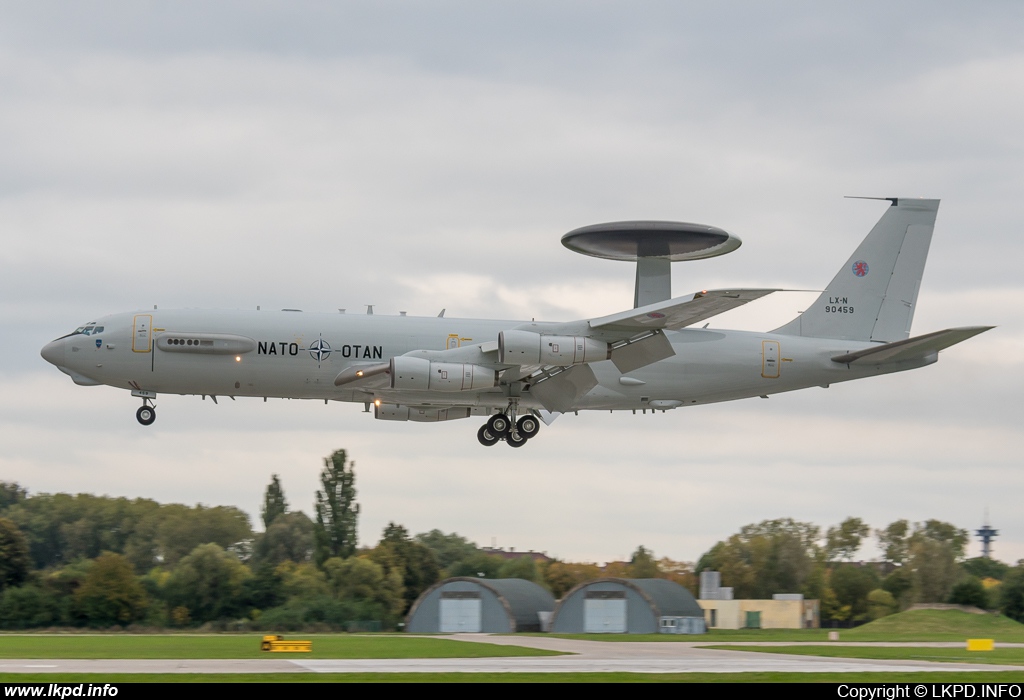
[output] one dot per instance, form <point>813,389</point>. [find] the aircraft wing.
<point>680,312</point>
<point>912,348</point>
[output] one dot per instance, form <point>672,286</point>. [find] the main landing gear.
<point>503,426</point>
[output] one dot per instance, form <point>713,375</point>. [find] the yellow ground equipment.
<point>274,642</point>
<point>981,644</point>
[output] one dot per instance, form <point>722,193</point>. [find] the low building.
<point>635,606</point>
<point>782,612</point>
<point>465,604</point>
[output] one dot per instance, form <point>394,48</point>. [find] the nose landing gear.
<point>147,414</point>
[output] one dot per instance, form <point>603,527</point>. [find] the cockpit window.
<point>88,329</point>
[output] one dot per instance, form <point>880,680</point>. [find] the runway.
<point>586,657</point>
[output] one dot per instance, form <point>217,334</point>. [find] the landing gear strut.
<point>147,414</point>
<point>504,426</point>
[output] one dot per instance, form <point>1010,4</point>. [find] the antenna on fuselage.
<point>441,315</point>
<point>654,245</point>
<point>369,309</point>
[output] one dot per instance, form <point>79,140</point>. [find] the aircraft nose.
<point>53,352</point>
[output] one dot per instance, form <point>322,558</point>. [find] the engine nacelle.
<point>386,411</point>
<point>418,374</point>
<point>526,348</point>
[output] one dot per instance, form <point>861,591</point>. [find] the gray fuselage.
<point>298,355</point>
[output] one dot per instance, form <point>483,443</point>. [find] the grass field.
<point>997,656</point>
<point>180,646</point>
<point>909,626</point>
<point>100,679</point>
<point>936,626</point>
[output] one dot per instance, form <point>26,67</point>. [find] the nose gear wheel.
<point>146,415</point>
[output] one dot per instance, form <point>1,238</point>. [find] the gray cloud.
<point>332,155</point>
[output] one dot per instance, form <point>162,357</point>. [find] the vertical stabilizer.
<point>874,294</point>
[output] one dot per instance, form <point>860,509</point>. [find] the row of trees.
<point>83,560</point>
<point>921,563</point>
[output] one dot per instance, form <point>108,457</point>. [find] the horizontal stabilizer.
<point>912,348</point>
<point>679,312</point>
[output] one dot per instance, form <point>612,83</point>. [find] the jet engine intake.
<point>418,374</point>
<point>526,348</point>
<point>387,411</point>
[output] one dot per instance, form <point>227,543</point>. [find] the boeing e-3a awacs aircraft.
<point>518,373</point>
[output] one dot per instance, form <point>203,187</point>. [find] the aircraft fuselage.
<point>292,354</point>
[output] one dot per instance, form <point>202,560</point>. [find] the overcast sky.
<point>420,156</point>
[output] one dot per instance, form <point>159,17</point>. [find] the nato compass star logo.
<point>320,350</point>
<point>860,268</point>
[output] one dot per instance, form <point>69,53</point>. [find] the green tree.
<point>984,567</point>
<point>290,537</point>
<point>523,567</point>
<point>15,561</point>
<point>932,564</point>
<point>831,608</point>
<point>28,606</point>
<point>10,495</point>
<point>561,576</point>
<point>110,593</point>
<point>957,538</point>
<point>642,564</point>
<point>448,549</point>
<point>970,591</point>
<point>1011,594</point>
<point>209,583</point>
<point>303,581</point>
<point>415,562</point>
<point>479,565</point>
<point>264,589</point>
<point>852,584</point>
<point>816,582</point>
<point>843,540</point>
<point>773,556</point>
<point>679,571</point>
<point>359,579</point>
<point>893,541</point>
<point>900,583</point>
<point>336,510</point>
<point>274,503</point>
<point>181,529</point>
<point>881,603</point>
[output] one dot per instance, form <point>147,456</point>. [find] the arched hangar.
<point>465,604</point>
<point>624,605</point>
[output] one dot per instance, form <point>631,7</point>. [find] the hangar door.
<point>604,611</point>
<point>461,611</point>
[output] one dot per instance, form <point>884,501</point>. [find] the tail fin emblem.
<point>860,268</point>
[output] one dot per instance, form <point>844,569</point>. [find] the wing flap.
<point>641,353</point>
<point>560,393</point>
<point>679,312</point>
<point>911,348</point>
